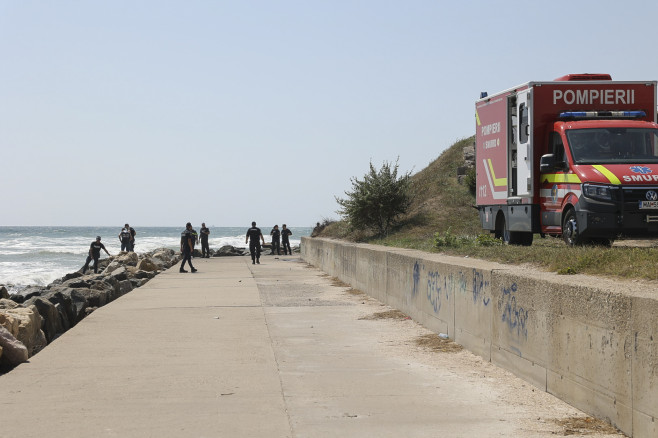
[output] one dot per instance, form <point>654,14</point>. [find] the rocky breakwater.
<point>35,316</point>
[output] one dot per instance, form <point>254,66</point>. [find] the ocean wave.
<point>40,273</point>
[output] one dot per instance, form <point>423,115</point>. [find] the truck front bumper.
<point>610,220</point>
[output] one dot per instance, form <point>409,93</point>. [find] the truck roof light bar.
<point>585,77</point>
<point>601,114</point>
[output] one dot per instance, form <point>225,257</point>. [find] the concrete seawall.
<point>591,342</point>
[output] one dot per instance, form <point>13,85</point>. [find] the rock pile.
<point>228,250</point>
<point>469,162</point>
<point>36,315</point>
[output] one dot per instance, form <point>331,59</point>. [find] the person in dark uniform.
<point>125,237</point>
<point>94,254</point>
<point>186,247</point>
<point>132,238</point>
<point>253,234</point>
<point>195,240</point>
<point>205,249</point>
<point>276,240</point>
<point>285,234</point>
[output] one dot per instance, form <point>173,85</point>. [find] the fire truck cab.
<point>576,157</point>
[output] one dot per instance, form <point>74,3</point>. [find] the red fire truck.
<point>576,157</point>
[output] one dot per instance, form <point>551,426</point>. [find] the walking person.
<point>125,237</point>
<point>205,249</point>
<point>186,247</point>
<point>253,236</point>
<point>94,254</point>
<point>285,234</point>
<point>276,240</point>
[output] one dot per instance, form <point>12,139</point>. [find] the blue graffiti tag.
<point>434,290</point>
<point>514,316</point>
<point>454,283</point>
<point>479,285</point>
<point>416,277</point>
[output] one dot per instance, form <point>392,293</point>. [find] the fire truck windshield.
<point>614,145</point>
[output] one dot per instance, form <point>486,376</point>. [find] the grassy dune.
<point>443,208</point>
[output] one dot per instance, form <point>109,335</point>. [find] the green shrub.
<point>567,271</point>
<point>487,239</point>
<point>450,240</point>
<point>376,202</point>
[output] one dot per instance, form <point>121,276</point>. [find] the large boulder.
<point>27,293</point>
<point>146,264</point>
<point>120,273</point>
<point>95,297</point>
<point>8,304</point>
<point>77,283</point>
<point>24,323</point>
<point>144,274</point>
<point>13,352</point>
<point>164,258</point>
<point>126,258</point>
<point>71,275</point>
<point>111,268</point>
<point>125,286</point>
<point>78,303</point>
<point>52,325</point>
<point>138,282</point>
<point>64,308</point>
<point>3,292</point>
<point>228,250</point>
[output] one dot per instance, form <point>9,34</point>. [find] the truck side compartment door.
<point>551,187</point>
<point>524,183</point>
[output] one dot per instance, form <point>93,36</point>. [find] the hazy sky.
<point>163,112</point>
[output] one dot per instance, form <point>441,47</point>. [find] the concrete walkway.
<point>269,350</point>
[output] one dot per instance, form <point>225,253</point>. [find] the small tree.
<point>376,201</point>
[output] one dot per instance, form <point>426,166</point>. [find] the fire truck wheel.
<point>570,230</point>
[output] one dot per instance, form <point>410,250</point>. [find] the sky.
<point>162,112</point>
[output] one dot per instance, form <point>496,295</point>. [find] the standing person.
<point>186,247</point>
<point>195,239</point>
<point>205,249</point>
<point>94,254</point>
<point>285,234</point>
<point>253,234</point>
<point>125,237</point>
<point>132,238</point>
<point>276,240</point>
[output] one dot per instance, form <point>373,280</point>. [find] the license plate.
<point>648,205</point>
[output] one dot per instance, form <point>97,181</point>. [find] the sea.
<point>40,255</point>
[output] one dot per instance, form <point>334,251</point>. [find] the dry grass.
<point>585,426</point>
<point>435,343</point>
<point>338,283</point>
<point>389,314</point>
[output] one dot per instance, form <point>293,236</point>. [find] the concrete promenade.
<point>269,350</point>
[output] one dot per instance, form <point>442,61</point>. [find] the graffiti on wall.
<point>434,290</point>
<point>479,286</point>
<point>437,288</point>
<point>513,315</point>
<point>416,278</point>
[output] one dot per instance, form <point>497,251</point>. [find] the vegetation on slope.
<point>442,212</point>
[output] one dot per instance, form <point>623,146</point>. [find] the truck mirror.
<point>547,163</point>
